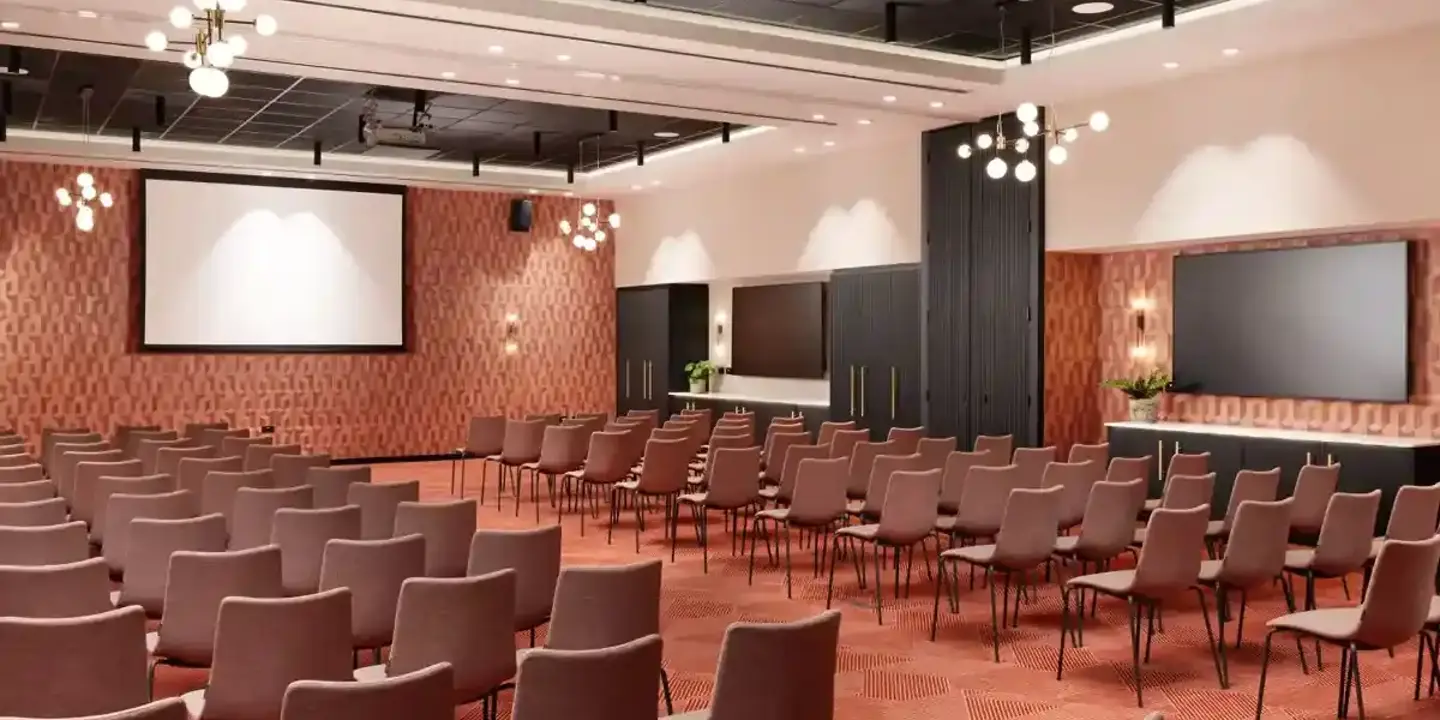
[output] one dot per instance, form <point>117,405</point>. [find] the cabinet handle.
<point>852,391</point>
<point>862,391</point>
<point>1160,461</point>
<point>1307,458</point>
<point>894,383</point>
<point>1329,459</point>
<point>645,380</point>
<point>1177,446</point>
<point>627,379</point>
<point>650,380</point>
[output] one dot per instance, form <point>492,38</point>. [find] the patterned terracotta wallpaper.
<point>1126,275</point>
<point>1072,362</point>
<point>69,305</point>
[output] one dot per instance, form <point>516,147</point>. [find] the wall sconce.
<point>512,333</point>
<point>1141,350</point>
<point>720,319</point>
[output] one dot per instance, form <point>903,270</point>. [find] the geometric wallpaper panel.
<point>1072,365</point>
<point>69,305</point>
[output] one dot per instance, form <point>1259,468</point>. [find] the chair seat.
<point>770,493</point>
<point>1151,505</point>
<point>628,484</point>
<point>1434,616</point>
<point>854,506</point>
<point>1115,582</point>
<point>778,514</point>
<point>863,532</point>
<point>694,498</point>
<point>370,673</point>
<point>1209,571</point>
<point>577,474</point>
<point>152,639</point>
<point>1217,529</point>
<point>945,523</point>
<point>1066,544</point>
<point>973,554</point>
<point>1299,559</point>
<point>194,702</point>
<point>1375,544</point>
<point>1334,624</point>
<point>695,481</point>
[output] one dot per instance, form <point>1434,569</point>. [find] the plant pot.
<point>1144,410</point>
<point>698,386</point>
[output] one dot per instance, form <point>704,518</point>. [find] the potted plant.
<point>699,373</point>
<point>1144,393</point>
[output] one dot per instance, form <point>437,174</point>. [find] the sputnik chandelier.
<point>1033,128</point>
<point>214,46</point>
<point>86,191</point>
<point>589,230</point>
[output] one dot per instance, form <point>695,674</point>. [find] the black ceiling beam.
<point>419,109</point>
<point>1167,14</point>
<point>570,173</point>
<point>1027,45</point>
<point>474,163</point>
<point>614,121</point>
<point>724,132</point>
<point>317,152</point>
<point>7,98</point>
<point>160,111</point>
<point>640,153</point>
<point>536,139</point>
<point>892,22</point>
<point>16,61</point>
<point>134,138</point>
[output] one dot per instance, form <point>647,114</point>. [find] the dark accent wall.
<point>983,300</point>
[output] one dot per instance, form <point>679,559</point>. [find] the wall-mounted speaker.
<point>522,213</point>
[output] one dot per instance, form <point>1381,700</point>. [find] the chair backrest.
<point>75,667</point>
<point>332,484</point>
<point>670,433</point>
<point>778,671</point>
<point>957,471</point>
<point>55,591</point>
<point>1188,464</point>
<point>301,535</point>
<point>64,437</point>
<point>29,472</point>
<point>844,442</point>
<point>1187,491</point>
<point>828,429</point>
<point>1313,488</point>
<point>1027,534</point>
<point>1414,513</point>
<point>67,456</point>
<point>252,520</point>
<point>819,491</point>
<point>1344,542</point>
<point>215,437</point>
<point>1032,463</point>
<point>608,459</point>
<point>44,545</point>
<point>148,543</point>
<point>446,527</point>
<point>374,570</point>
<point>1109,523</point>
<point>1125,469</point>
<point>793,457</point>
<point>935,451</point>
<point>735,477</point>
<point>379,503</point>
<point>907,440</point>
<point>107,487</point>
<point>534,555</point>
<point>122,509</point>
<point>218,491</point>
<point>87,480</point>
<point>613,683</point>
<point>467,622</point>
<point>1174,544</point>
<point>1259,537</point>
<point>1075,479</point>
<point>24,492</point>
<point>168,709</point>
<point>562,448</point>
<point>1001,445</point>
<point>885,467</point>
<point>196,585</point>
<point>777,446</point>
<point>120,436</point>
<point>167,459</point>
<point>1098,454</point>
<point>238,444</point>
<point>191,472</point>
<point>1398,600</point>
<point>862,465</point>
<point>148,452</point>
<point>258,457</point>
<point>604,606</point>
<point>292,470</point>
<point>421,695</point>
<point>547,418</point>
<point>264,644</point>
<point>982,502</point>
<point>909,513</point>
<point>485,436</point>
<point>195,430</point>
<point>522,442</point>
<point>667,465</point>
<point>36,513</point>
<point>131,448</point>
<point>18,459</point>
<point>1257,485</point>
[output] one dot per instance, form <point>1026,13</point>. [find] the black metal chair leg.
<point>665,685</point>
<point>1064,628</point>
<point>788,594</point>
<point>879,593</point>
<point>830,586</point>
<point>994,620</point>
<point>1216,649</point>
<point>1135,627</point>
<point>935,619</point>
<point>1264,670</point>
<point>1359,687</point>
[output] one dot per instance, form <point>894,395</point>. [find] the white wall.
<point>1303,144</point>
<point>847,208</point>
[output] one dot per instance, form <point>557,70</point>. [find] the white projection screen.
<point>241,264</point>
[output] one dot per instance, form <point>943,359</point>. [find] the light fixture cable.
<point>86,190</point>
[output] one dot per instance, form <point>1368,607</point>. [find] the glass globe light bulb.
<point>590,244</point>
<point>219,83</point>
<point>156,41</point>
<point>265,25</point>
<point>88,192</point>
<point>599,236</point>
<point>578,242</point>
<point>180,18</point>
<point>1058,154</point>
<point>1027,112</point>
<point>85,179</point>
<point>1099,121</point>
<point>1030,129</point>
<point>191,59</point>
<point>219,54</point>
<point>565,227</point>
<point>197,80</point>
<point>106,200</point>
<point>964,150</point>
<point>1070,135</point>
<point>206,4</point>
<point>232,5</point>
<point>238,45</point>
<point>1022,146</point>
<point>615,220</point>
<point>1025,171</point>
<point>85,219</point>
<point>984,141</point>
<point>589,209</point>
<point>63,197</point>
<point>996,168</point>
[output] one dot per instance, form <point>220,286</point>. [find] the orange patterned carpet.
<point>894,672</point>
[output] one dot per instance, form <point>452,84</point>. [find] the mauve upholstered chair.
<point>1075,480</point>
<point>907,519</point>
<point>1032,463</point>
<point>79,441</point>
<point>1412,516</point>
<point>599,607</point>
<point>292,470</point>
<point>862,466</point>
<point>665,468</point>
<point>301,534</point>
<point>734,485</point>
<point>1257,485</point>
<point>420,695</point>
<point>775,671</point>
<point>782,494</point>
<point>148,453</point>
<point>73,667</point>
<point>934,452</point>
<point>844,442</point>
<point>607,462</point>
<point>956,471</point>
<point>28,471</point>
<point>214,438</point>
<point>19,459</point>
<point>1125,469</point>
<point>167,459</point>
<point>217,493</point>
<point>1254,557</point>
<point>867,508</point>
<point>122,509</point>
<point>168,709</point>
<point>1098,454</point>
<point>828,429</point>
<point>107,487</point>
<point>534,555</point>
<point>36,513</point>
<point>258,456</point>
<point>86,476</point>
<point>131,448</point>
<point>777,444</point>
<point>148,544</point>
<point>1027,535</point>
<point>1394,610</point>
<point>193,471</point>
<point>1313,488</point>
<point>446,527</point>
<point>612,683</point>
<point>264,644</point>
<point>907,440</point>
<point>1169,565</point>
<point>1343,546</point>
<point>332,484</point>
<point>818,506</point>
<point>23,492</point>
<point>195,431</point>
<point>562,450</point>
<point>44,545</point>
<point>120,436</point>
<point>55,591</point>
<point>1107,528</point>
<point>1188,464</point>
<point>1183,492</point>
<point>378,503</point>
<point>465,622</point>
<point>67,456</point>
<point>1000,446</point>
<point>982,502</point>
<point>237,445</point>
<point>197,583</point>
<point>484,439</point>
<point>520,446</point>
<point>374,570</point>
<point>252,519</point>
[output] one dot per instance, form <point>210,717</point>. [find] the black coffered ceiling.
<point>965,27</point>
<point>277,111</point>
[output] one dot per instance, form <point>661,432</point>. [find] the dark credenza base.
<point>1367,463</point>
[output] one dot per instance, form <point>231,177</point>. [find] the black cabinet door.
<point>629,339</point>
<point>846,333</point>
<point>874,393</point>
<point>656,346</point>
<point>1288,455</point>
<point>1367,467</point>
<point>1226,457</point>
<point>903,347</point>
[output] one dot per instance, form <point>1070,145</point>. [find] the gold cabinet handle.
<point>650,380</point>
<point>1307,458</point>
<point>627,379</point>
<point>852,391</point>
<point>1177,446</point>
<point>1329,459</point>
<point>894,383</point>
<point>1160,460</point>
<point>862,391</point>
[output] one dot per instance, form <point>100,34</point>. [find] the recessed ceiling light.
<point>511,81</point>
<point>447,75</point>
<point>569,194</point>
<point>1230,52</point>
<point>863,121</point>
<point>10,25</point>
<point>635,187</point>
<point>563,58</point>
<point>800,150</point>
<point>1092,8</point>
<point>654,182</point>
<point>496,49</point>
<point>888,98</point>
<point>667,134</point>
<point>817,117</point>
<point>1170,65</point>
<point>532,191</point>
<point>87,14</point>
<point>589,74</point>
<point>936,104</point>
<point>614,78</point>
<point>829,143</point>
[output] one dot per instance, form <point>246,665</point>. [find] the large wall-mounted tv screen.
<point>1324,322</point>
<point>779,330</point>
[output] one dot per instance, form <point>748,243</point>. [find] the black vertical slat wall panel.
<point>983,291</point>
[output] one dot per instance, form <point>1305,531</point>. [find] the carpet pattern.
<point>894,671</point>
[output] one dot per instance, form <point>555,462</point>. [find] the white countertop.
<point>742,399</point>
<point>1281,434</point>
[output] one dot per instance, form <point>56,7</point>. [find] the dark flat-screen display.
<point>1328,323</point>
<point>778,330</point>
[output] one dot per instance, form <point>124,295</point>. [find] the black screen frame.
<point>406,321</point>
